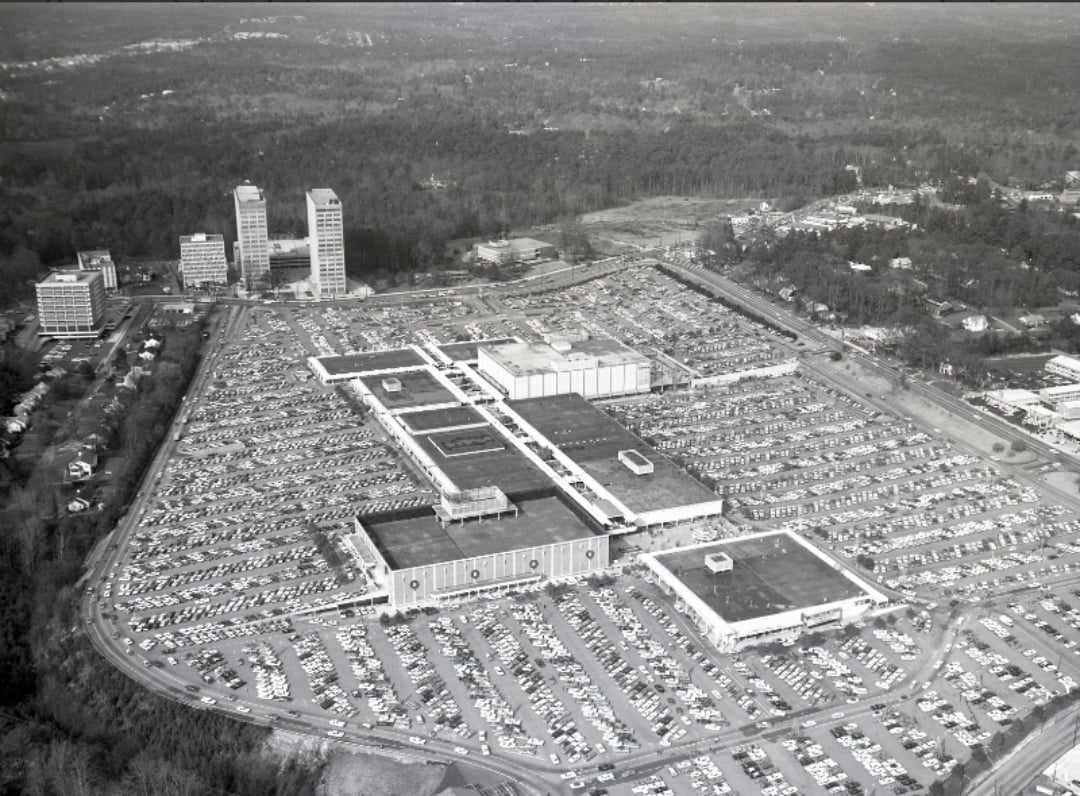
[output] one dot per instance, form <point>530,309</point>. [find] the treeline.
<point>136,191</point>
<point>71,723</point>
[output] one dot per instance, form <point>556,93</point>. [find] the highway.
<point>1012,773</point>
<point>785,319</point>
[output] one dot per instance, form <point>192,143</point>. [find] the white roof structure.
<point>976,323</point>
<point>1063,365</point>
<point>1017,398</point>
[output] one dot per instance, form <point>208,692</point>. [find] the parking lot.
<point>237,581</point>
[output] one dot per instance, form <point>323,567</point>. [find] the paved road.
<point>1012,773</point>
<point>166,683</point>
<point>787,320</point>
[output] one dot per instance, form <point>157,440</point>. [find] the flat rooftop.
<point>593,440</point>
<point>527,358</point>
<point>371,361</point>
<point>69,277</point>
<point>772,573</point>
<point>467,351</point>
<point>432,419</point>
<point>481,456</point>
<point>249,193</point>
<point>418,388</point>
<point>324,196</point>
<point>419,541</point>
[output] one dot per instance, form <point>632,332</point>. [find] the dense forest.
<point>526,116</point>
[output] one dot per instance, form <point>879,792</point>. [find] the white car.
<point>243,709</point>
<point>335,733</point>
<point>461,750</point>
<point>208,700</point>
<point>337,723</point>
<point>416,739</point>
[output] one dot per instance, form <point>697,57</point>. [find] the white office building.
<point>251,234</point>
<point>326,236</point>
<point>202,260</point>
<point>71,304</point>
<point>99,260</point>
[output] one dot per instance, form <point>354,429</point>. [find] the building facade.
<point>71,304</point>
<point>593,368</point>
<point>251,234</point>
<point>516,250</point>
<point>202,260</point>
<point>99,260</point>
<point>470,576</point>
<point>327,243</point>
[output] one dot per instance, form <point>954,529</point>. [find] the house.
<point>83,465</point>
<point>1032,320</point>
<point>939,308</point>
<point>75,505</point>
<point>788,293</point>
<point>975,323</point>
<point>860,267</point>
<point>900,263</point>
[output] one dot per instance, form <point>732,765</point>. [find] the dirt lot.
<point>368,775</point>
<point>661,220</point>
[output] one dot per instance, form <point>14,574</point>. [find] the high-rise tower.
<point>327,242</point>
<point>251,235</point>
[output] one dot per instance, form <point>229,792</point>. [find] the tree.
<point>716,244</point>
<point>574,240</point>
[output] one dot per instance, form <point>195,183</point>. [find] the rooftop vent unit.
<point>635,462</point>
<point>719,562</point>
